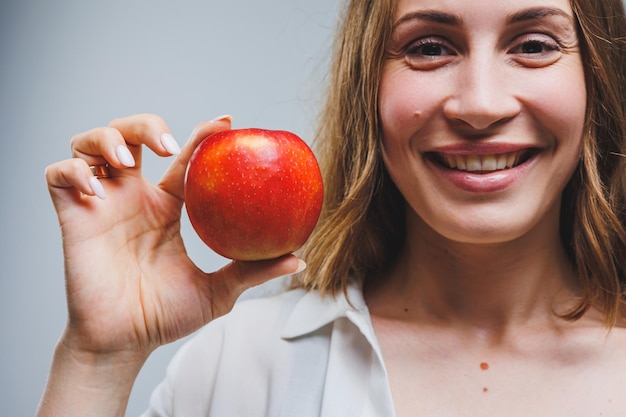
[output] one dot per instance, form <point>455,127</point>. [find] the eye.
<point>536,50</point>
<point>536,47</point>
<point>428,47</point>
<point>428,53</point>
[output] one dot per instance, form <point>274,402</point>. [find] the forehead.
<point>479,8</point>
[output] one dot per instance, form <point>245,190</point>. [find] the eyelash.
<point>546,45</point>
<point>416,53</point>
<point>416,47</point>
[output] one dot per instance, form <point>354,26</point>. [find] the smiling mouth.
<point>483,164</point>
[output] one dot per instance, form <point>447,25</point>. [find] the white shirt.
<point>291,355</point>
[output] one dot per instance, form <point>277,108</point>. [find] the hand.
<point>130,284</point>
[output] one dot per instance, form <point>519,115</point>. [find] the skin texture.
<point>484,96</point>
<point>466,315</point>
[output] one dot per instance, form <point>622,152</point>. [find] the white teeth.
<point>490,163</point>
<point>511,159</point>
<point>502,162</point>
<point>482,163</point>
<point>473,163</point>
<point>460,163</point>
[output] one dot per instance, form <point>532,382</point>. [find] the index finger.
<point>147,129</point>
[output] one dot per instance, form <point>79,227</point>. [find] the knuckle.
<point>108,134</point>
<point>139,121</point>
<point>153,119</point>
<point>74,141</point>
<point>143,127</point>
<point>48,172</point>
<point>151,123</point>
<point>75,165</point>
<point>116,121</point>
<point>94,136</point>
<point>66,169</point>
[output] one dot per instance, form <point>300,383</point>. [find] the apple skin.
<point>253,194</point>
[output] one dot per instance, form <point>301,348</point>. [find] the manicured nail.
<point>124,155</point>
<point>223,118</point>
<point>97,188</point>
<point>301,266</point>
<point>170,144</point>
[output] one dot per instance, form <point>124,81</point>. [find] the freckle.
<point>484,366</point>
<point>485,389</point>
<point>406,310</point>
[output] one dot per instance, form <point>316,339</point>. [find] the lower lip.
<point>484,183</point>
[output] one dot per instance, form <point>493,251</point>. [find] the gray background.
<point>71,65</point>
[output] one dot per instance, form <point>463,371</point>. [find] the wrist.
<point>87,358</point>
<point>89,384</point>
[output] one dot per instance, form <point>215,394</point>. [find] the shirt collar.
<point>314,311</point>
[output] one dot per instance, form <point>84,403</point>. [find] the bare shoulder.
<point>616,339</point>
<point>603,341</point>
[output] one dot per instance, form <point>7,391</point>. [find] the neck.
<point>487,287</point>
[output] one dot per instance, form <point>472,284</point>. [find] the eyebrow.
<point>431,16</point>
<point>436,16</point>
<point>537,13</point>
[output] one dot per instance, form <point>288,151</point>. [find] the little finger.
<point>73,177</point>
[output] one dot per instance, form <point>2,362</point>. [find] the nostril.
<point>480,122</point>
<point>481,109</point>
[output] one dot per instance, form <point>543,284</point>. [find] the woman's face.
<point>482,105</point>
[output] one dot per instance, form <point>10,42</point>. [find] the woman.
<point>470,259</point>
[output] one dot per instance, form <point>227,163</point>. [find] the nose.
<point>482,94</point>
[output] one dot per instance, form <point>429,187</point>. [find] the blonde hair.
<point>593,219</point>
<point>362,225</point>
<point>356,232</point>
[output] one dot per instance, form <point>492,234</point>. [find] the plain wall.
<point>71,65</point>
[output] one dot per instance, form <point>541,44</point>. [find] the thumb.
<point>227,284</point>
<point>172,180</point>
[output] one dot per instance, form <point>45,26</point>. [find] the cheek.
<point>562,104</point>
<point>402,103</point>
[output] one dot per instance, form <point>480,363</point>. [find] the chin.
<point>486,229</point>
<point>478,234</point>
<point>486,236</point>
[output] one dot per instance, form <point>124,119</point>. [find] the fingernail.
<point>223,118</point>
<point>170,144</point>
<point>301,266</point>
<point>97,188</point>
<point>124,155</point>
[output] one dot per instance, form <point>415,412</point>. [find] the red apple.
<point>253,194</point>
